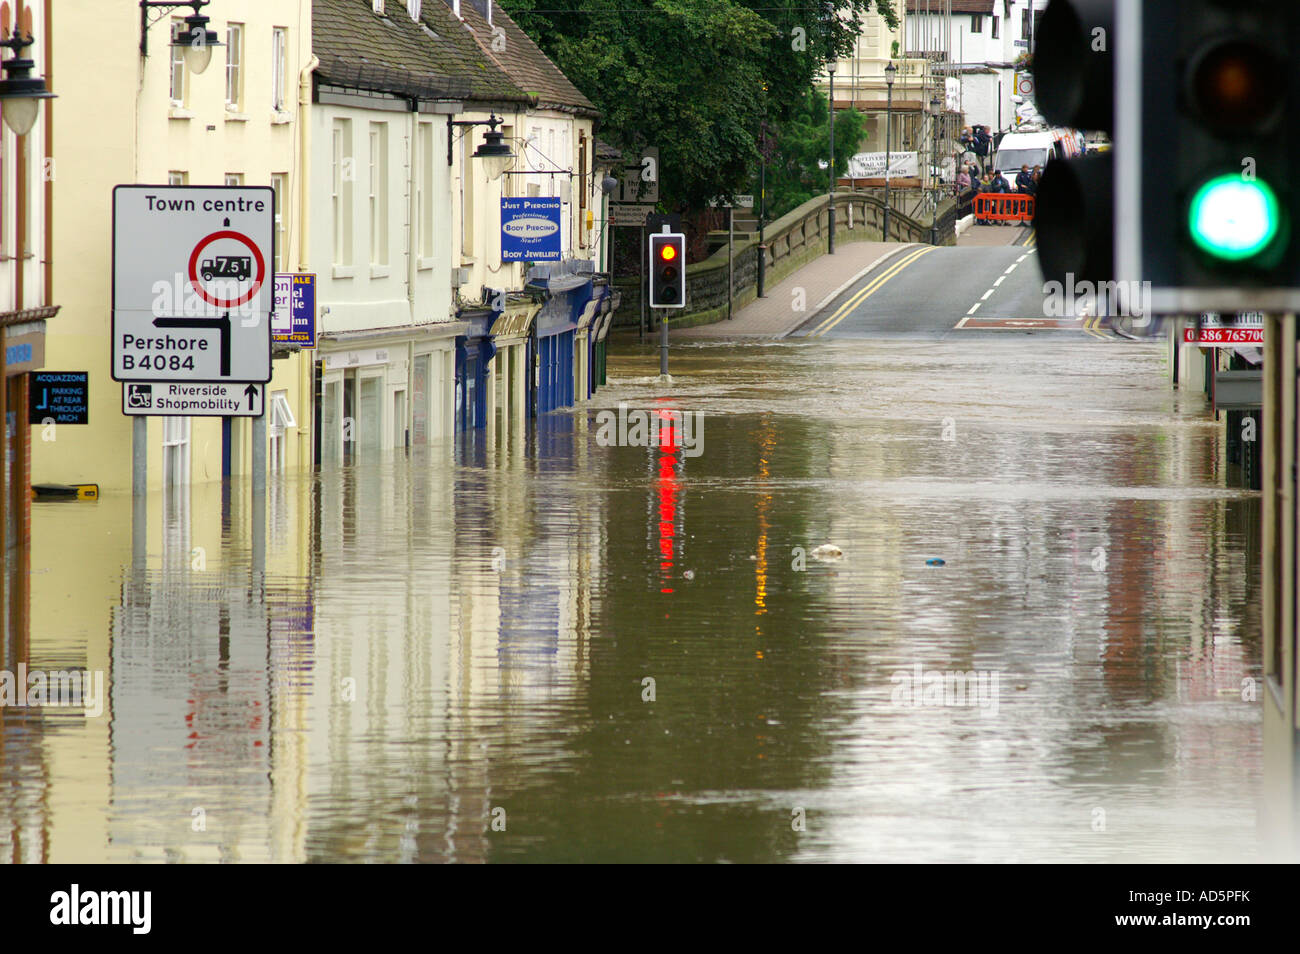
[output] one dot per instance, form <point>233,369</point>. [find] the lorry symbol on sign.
<point>227,266</point>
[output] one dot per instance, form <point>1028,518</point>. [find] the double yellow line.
<point>870,289</point>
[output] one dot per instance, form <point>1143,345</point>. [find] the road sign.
<point>170,399</point>
<point>294,318</point>
<point>192,291</point>
<point>641,178</point>
<point>59,396</point>
<point>629,215</point>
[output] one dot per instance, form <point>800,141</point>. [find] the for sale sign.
<point>192,290</point>
<point>1216,331</point>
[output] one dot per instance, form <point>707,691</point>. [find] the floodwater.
<point>573,651</point>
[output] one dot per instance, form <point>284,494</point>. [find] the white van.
<point>1034,149</point>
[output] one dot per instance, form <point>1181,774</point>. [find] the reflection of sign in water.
<point>294,319</point>
<point>871,165</point>
<point>530,229</point>
<point>59,396</point>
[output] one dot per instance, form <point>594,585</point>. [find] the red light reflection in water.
<point>667,487</point>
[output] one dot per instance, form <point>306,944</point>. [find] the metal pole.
<point>259,492</point>
<point>139,491</point>
<point>889,109</point>
<point>830,193</point>
<point>642,296</point>
<point>663,342</point>
<point>762,206</point>
<point>731,242</point>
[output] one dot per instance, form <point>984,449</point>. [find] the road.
<point>944,292</point>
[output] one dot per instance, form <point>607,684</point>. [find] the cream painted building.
<point>128,118</point>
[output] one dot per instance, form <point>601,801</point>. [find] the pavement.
<point>822,280</point>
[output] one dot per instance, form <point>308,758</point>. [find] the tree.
<point>794,172</point>
<point>695,77</point>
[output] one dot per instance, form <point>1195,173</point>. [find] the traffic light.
<point>1214,176</point>
<point>667,270</point>
<point>1074,209</point>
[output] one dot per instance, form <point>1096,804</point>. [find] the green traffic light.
<point>1233,218</point>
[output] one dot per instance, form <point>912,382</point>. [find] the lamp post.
<point>762,204</point>
<point>196,39</point>
<point>935,105</point>
<point>890,70</point>
<point>830,194</point>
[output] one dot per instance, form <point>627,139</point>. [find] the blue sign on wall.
<point>59,396</point>
<point>294,318</point>
<point>530,229</point>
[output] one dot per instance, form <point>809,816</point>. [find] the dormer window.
<point>413,8</point>
<point>377,6</point>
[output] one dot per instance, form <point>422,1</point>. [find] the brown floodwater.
<point>572,651</point>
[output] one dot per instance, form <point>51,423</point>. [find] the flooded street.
<point>581,652</point>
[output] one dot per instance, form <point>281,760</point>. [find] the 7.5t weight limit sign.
<point>192,289</point>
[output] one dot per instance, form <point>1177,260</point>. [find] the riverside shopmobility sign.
<point>192,287</point>
<point>530,229</point>
<point>171,399</point>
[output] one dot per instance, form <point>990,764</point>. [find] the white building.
<point>982,39</point>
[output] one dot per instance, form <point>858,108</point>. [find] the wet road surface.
<point>602,653</point>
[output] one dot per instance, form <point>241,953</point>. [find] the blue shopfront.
<point>474,353</point>
<point>568,287</point>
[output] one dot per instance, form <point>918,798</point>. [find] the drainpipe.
<point>305,366</point>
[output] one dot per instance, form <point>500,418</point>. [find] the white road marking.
<point>1001,279</point>
<point>987,294</point>
<point>974,308</point>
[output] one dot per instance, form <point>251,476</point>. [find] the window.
<point>994,29</point>
<point>279,185</point>
<point>466,197</point>
<point>180,75</point>
<point>377,6</point>
<point>234,178</point>
<point>281,419</point>
<point>976,23</point>
<point>378,193</point>
<point>413,8</point>
<point>279,66</point>
<point>175,178</point>
<point>234,65</point>
<point>425,198</point>
<point>341,195</point>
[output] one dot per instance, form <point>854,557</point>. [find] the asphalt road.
<point>947,292</point>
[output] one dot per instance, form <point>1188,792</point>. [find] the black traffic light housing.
<point>1216,122</point>
<point>667,270</point>
<point>1074,209</point>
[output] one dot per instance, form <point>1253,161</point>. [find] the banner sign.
<point>871,165</point>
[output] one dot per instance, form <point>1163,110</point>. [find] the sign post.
<point>191,302</point>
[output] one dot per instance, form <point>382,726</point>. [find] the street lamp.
<point>890,70</point>
<point>20,92</point>
<point>830,195</point>
<point>196,39</point>
<point>494,151</point>
<point>936,105</point>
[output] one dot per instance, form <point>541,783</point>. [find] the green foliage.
<point>793,173</point>
<point>696,78</point>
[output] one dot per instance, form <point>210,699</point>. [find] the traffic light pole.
<point>663,342</point>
